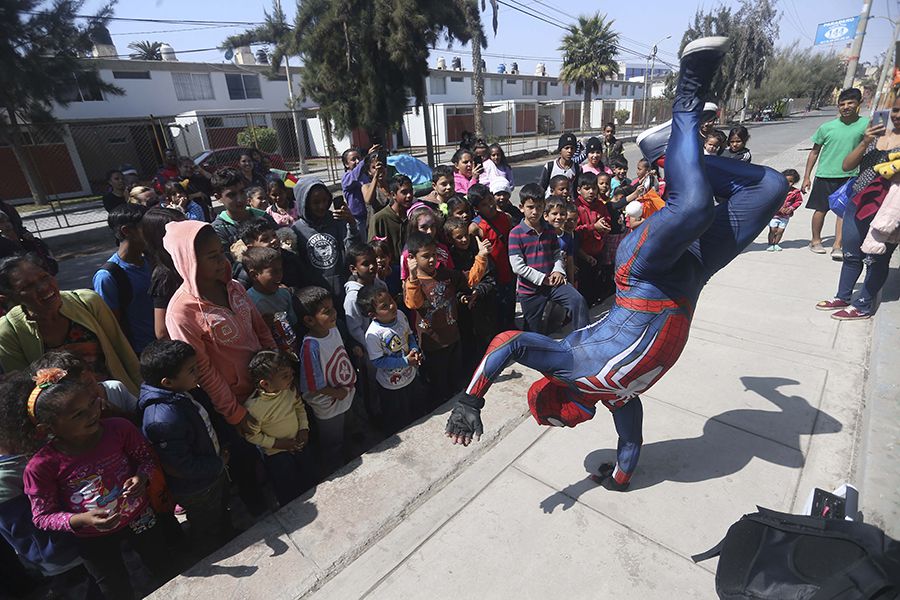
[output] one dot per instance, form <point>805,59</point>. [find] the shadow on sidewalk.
<point>720,450</point>
<point>786,244</point>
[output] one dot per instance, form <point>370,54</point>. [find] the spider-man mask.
<point>557,405</point>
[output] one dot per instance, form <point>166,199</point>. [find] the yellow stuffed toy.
<point>891,167</point>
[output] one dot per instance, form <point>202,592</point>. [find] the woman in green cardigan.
<point>41,318</point>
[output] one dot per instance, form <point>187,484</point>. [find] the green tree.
<point>752,31</point>
<point>42,50</point>
<point>717,21</point>
<point>478,41</point>
<point>798,74</point>
<point>589,57</point>
<point>275,31</point>
<point>364,59</point>
<point>146,50</point>
<point>621,116</point>
<point>262,138</point>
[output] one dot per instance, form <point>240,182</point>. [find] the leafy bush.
<point>263,139</point>
<point>621,116</point>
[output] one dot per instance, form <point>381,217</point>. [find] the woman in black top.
<point>164,280</point>
<point>116,195</point>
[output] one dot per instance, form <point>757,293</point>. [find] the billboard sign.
<point>841,30</point>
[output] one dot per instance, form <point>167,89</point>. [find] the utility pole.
<point>856,48</point>
<point>644,99</point>
<point>648,78</point>
<point>887,67</point>
<point>297,125</point>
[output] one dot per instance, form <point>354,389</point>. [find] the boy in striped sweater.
<point>535,258</point>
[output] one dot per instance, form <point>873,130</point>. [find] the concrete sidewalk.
<point>765,403</point>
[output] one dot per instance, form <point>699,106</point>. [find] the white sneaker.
<point>716,43</point>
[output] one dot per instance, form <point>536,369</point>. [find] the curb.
<point>877,462</point>
<point>299,548</point>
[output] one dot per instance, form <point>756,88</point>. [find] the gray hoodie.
<point>321,243</point>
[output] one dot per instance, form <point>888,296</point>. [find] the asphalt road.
<point>766,140</point>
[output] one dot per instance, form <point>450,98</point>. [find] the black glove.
<point>465,418</point>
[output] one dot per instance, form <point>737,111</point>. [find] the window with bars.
<point>542,88</point>
<point>438,86</point>
<point>193,86</point>
<point>242,86</point>
<point>131,74</point>
<point>80,91</point>
<point>527,87</point>
<point>496,87</point>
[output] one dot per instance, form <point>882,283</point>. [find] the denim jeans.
<point>565,295</point>
<point>854,232</point>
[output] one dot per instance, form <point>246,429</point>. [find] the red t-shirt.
<point>496,231</point>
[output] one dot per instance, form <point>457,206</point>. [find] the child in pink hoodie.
<point>213,314</point>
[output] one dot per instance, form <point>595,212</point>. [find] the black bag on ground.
<point>777,556</point>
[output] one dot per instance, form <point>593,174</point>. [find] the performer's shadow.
<point>721,450</point>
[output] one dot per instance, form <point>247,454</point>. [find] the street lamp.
<point>652,64</point>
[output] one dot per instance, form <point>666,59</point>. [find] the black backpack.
<point>126,294</point>
<point>778,556</point>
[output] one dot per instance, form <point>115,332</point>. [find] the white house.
<point>193,106</point>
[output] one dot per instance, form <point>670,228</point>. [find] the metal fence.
<point>70,161</point>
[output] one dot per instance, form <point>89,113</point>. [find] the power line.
<point>173,30</point>
<point>619,47</point>
<point>494,55</point>
<point>164,21</point>
<point>534,16</point>
<point>176,51</point>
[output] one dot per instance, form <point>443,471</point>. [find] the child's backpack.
<point>126,294</point>
<point>778,556</point>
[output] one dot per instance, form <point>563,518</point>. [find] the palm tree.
<point>589,57</point>
<point>473,24</point>
<point>277,32</point>
<point>146,50</point>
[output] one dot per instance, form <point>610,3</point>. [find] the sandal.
<point>817,248</point>
<point>835,304</point>
<point>850,314</point>
<point>837,254</point>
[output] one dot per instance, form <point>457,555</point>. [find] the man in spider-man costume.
<point>660,269</point>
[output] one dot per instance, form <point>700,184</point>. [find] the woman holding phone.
<point>881,138</point>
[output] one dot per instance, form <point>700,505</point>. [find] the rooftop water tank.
<point>103,44</point>
<point>501,68</point>
<point>441,63</point>
<point>244,56</point>
<point>168,53</point>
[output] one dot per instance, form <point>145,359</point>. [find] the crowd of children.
<point>294,316</point>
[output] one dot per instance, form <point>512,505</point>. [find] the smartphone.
<point>882,117</point>
<point>338,202</point>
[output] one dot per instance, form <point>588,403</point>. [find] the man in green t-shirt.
<point>832,142</point>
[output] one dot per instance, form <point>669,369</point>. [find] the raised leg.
<point>689,209</point>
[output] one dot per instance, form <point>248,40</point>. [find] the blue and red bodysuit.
<point>660,269</point>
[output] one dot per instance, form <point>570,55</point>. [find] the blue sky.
<point>519,37</point>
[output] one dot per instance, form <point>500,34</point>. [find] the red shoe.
<point>835,304</point>
<point>850,314</point>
